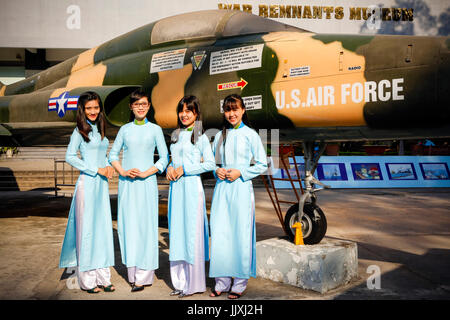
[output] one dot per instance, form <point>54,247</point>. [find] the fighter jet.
<point>312,87</point>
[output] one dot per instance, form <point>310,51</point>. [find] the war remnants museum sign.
<point>423,17</point>
<point>323,11</point>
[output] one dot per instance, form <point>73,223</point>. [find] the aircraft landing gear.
<point>314,223</point>
<point>305,210</point>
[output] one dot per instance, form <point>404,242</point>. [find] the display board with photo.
<point>374,172</point>
<point>366,171</point>
<point>435,171</point>
<point>332,172</point>
<point>401,171</point>
<point>293,171</point>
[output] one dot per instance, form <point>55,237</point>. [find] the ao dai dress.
<point>137,215</point>
<point>232,220</point>
<point>188,223</point>
<point>88,242</point>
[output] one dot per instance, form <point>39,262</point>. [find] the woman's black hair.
<point>83,126</point>
<point>230,102</point>
<point>135,96</point>
<point>193,104</point>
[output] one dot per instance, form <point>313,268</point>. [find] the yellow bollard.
<point>298,234</point>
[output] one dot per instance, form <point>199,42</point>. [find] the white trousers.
<point>187,277</point>
<point>140,277</point>
<point>191,278</point>
<point>223,284</point>
<point>93,278</point>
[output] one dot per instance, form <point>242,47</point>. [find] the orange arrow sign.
<point>232,85</point>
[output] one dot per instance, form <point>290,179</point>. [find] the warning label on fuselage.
<point>167,60</point>
<point>236,59</point>
<point>299,71</point>
<point>251,103</point>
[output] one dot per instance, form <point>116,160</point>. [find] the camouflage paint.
<point>417,66</point>
<point>296,50</point>
<point>166,94</point>
<point>350,43</point>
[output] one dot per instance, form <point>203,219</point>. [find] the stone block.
<point>320,267</point>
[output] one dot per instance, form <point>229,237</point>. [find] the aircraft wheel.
<point>313,228</point>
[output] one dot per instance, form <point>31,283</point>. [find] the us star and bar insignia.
<point>63,103</point>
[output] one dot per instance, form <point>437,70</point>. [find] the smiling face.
<point>140,108</point>
<point>187,116</point>
<point>233,113</point>
<point>91,110</point>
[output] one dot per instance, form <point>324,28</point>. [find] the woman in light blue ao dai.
<point>233,239</point>
<point>188,224</point>
<point>137,214</point>
<point>88,242</point>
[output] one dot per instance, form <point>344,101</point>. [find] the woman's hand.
<point>221,173</point>
<point>109,172</point>
<point>233,174</point>
<point>179,172</point>
<point>103,172</point>
<point>132,173</point>
<point>170,174</point>
<point>147,173</point>
<point>143,175</point>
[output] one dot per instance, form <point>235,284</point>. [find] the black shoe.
<point>135,288</point>
<point>182,295</point>
<point>175,292</point>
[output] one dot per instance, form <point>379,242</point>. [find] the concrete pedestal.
<point>320,267</point>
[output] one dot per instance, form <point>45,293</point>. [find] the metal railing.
<point>63,184</point>
<point>286,152</point>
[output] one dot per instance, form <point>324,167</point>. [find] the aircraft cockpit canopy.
<point>213,24</point>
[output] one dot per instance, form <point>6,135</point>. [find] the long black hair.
<point>137,95</point>
<point>230,102</point>
<point>83,126</point>
<point>193,104</point>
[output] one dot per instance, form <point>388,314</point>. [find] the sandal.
<point>237,295</point>
<point>175,292</point>
<point>93,290</point>
<point>214,293</point>
<point>109,288</point>
<point>136,288</point>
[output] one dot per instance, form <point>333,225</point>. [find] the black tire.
<point>313,230</point>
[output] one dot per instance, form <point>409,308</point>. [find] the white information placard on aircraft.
<point>167,60</point>
<point>236,59</point>
<point>299,71</point>
<point>251,103</point>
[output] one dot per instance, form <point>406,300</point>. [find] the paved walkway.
<point>404,233</point>
<point>27,165</point>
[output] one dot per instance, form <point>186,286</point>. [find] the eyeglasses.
<point>137,105</point>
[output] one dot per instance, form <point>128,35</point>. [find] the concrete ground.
<point>405,233</point>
